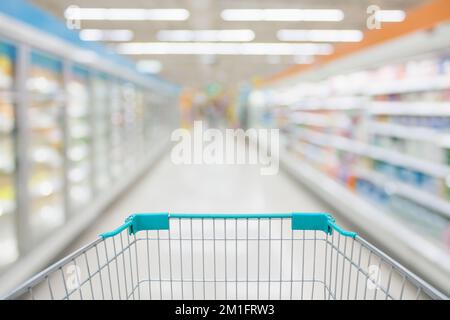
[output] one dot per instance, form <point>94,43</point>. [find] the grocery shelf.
<point>427,109</point>
<point>330,103</point>
<point>408,85</point>
<point>408,132</point>
<point>395,157</point>
<point>316,120</point>
<point>380,107</point>
<point>389,170</point>
<point>416,251</point>
<point>301,149</point>
<point>374,152</point>
<point>424,198</point>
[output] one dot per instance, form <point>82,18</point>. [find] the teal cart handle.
<point>160,221</point>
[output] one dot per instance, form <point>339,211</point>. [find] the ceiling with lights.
<point>198,42</point>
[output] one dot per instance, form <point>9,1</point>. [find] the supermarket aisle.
<point>205,188</point>
<point>202,188</point>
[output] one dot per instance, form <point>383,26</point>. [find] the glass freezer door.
<point>140,125</point>
<point>101,99</point>
<point>79,143</point>
<point>117,132</point>
<point>46,182</point>
<point>128,100</point>
<point>8,236</point>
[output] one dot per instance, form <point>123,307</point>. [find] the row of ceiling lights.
<point>128,14</point>
<point>237,35</point>
<point>224,42</point>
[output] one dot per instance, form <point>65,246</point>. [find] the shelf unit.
<point>373,152</point>
<point>8,235</point>
<point>46,144</point>
<point>64,122</point>
<point>415,194</point>
<point>377,135</point>
<point>377,224</point>
<point>79,138</point>
<point>428,109</point>
<point>408,85</point>
<point>101,116</point>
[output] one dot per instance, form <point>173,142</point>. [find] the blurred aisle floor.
<point>205,188</point>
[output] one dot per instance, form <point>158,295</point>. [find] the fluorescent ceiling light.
<point>240,35</point>
<point>75,13</point>
<point>390,15</point>
<point>149,66</point>
<point>320,35</point>
<point>282,15</point>
<point>141,48</point>
<point>106,35</point>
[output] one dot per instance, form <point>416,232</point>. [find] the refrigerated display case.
<point>148,116</point>
<point>79,139</point>
<point>129,105</point>
<point>117,131</point>
<point>8,237</point>
<point>102,132</point>
<point>46,144</point>
<point>43,136</point>
<point>140,123</point>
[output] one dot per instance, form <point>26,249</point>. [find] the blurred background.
<point>90,92</point>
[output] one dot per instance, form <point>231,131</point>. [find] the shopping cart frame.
<point>311,222</point>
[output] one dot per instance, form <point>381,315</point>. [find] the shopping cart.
<point>227,256</point>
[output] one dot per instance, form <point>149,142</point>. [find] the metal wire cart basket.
<point>231,256</point>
